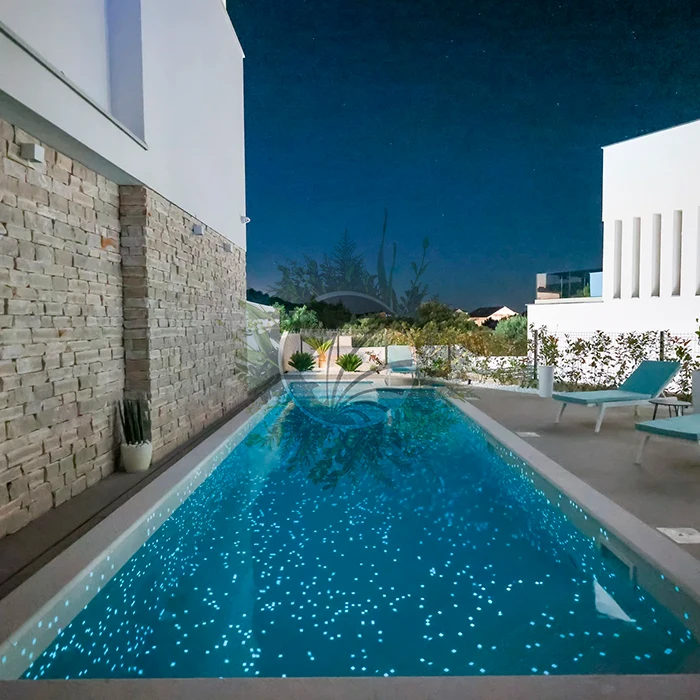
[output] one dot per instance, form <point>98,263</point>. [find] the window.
<point>677,253</point>
<point>636,246</point>
<point>617,260</point>
<point>656,255</point>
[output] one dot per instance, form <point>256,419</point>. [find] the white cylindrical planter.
<point>136,458</point>
<point>545,376</point>
<point>696,391</point>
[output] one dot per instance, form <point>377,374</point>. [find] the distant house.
<point>491,315</point>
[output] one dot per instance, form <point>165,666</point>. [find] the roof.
<point>486,311</point>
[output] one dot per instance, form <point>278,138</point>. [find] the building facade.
<point>651,241</point>
<point>122,234</point>
<point>490,314</point>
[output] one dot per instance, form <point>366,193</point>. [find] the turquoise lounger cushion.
<point>598,397</point>
<point>683,427</point>
<point>650,377</point>
<point>406,370</point>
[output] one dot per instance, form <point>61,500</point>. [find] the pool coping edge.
<point>664,555</point>
<point>31,600</point>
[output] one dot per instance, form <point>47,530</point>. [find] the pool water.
<point>406,547</point>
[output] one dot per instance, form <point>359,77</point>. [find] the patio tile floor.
<point>663,492</point>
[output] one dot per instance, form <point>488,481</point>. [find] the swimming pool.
<point>407,546</point>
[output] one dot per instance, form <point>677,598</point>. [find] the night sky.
<point>477,123</point>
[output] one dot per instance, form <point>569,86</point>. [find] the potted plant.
<point>302,361</point>
<point>136,448</point>
<point>321,347</point>
<point>349,362</point>
<point>549,351</point>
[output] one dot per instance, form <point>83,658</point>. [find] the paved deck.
<point>663,492</point>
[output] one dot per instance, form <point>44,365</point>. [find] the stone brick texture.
<point>103,290</point>
<point>184,318</point>
<point>61,347</point>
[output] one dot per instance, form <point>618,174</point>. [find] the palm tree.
<point>321,346</point>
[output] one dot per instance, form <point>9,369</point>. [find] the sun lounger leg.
<point>601,415</point>
<point>640,451</point>
<point>560,412</point>
<point>636,409</point>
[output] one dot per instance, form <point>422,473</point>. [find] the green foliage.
<point>135,419</point>
<point>301,318</point>
<point>605,360</point>
<point>257,297</point>
<point>302,361</point>
<point>320,345</point>
<point>514,329</point>
<point>438,367</point>
<point>349,362</point>
<point>443,317</point>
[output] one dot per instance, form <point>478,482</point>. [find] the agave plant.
<point>321,346</point>
<point>135,418</point>
<point>302,361</point>
<point>349,362</point>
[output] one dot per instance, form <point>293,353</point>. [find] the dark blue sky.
<point>477,123</point>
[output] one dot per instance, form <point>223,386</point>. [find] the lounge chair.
<point>646,382</point>
<point>681,427</point>
<point>400,360</point>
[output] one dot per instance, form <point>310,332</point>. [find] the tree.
<point>443,316</point>
<point>344,270</point>
<point>299,319</point>
<point>514,330</point>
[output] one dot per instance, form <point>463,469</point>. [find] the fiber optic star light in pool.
<point>407,548</point>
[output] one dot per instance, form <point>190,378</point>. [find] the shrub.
<point>514,330</point>
<point>349,362</point>
<point>302,361</point>
<point>135,418</point>
<point>299,319</point>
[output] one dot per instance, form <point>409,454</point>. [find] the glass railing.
<point>570,285</point>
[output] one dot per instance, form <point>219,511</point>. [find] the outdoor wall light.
<point>198,230</point>
<point>32,152</point>
<point>228,247</point>
<point>245,220</point>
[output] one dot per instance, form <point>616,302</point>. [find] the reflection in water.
<point>357,436</point>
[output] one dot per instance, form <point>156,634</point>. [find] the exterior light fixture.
<point>32,152</point>
<point>228,247</point>
<point>245,220</point>
<point>198,230</point>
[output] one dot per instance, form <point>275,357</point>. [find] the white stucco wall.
<point>70,34</point>
<point>652,175</point>
<point>192,95</point>
<point>616,316</point>
<point>648,182</point>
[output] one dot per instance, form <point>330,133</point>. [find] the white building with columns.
<point>651,241</point>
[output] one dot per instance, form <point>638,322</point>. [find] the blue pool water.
<point>405,547</point>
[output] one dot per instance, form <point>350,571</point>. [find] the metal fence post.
<point>662,343</point>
